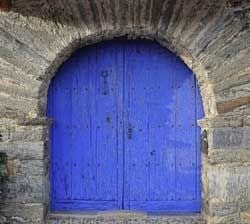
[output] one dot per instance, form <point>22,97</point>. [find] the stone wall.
<point>211,36</point>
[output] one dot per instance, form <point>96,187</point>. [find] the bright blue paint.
<point>125,132</point>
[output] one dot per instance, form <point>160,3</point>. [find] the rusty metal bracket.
<point>204,142</point>
<point>5,5</point>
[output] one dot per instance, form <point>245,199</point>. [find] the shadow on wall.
<point>3,175</point>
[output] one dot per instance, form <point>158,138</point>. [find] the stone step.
<point>122,218</point>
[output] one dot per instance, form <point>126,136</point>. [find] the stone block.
<point>221,208</point>
<point>20,55</point>
<point>23,150</point>
<point>245,217</point>
<point>20,105</point>
<point>16,167</point>
<point>23,189</point>
<point>15,213</point>
<point>217,156</point>
<point>229,138</point>
<point>23,133</point>
<point>228,219</point>
<point>228,183</point>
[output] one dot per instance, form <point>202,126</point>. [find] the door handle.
<point>130,131</point>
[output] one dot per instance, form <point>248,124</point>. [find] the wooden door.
<point>125,132</point>
<point>161,146</point>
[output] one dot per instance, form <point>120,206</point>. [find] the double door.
<point>125,133</point>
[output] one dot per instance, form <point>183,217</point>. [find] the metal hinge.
<point>204,142</point>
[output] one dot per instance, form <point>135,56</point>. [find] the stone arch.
<point>98,36</point>
<point>212,38</point>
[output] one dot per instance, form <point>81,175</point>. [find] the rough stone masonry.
<point>211,36</point>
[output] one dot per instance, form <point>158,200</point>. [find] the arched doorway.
<point>125,134</point>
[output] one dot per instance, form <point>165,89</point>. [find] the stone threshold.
<point>122,218</point>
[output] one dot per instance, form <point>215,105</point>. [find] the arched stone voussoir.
<point>96,36</point>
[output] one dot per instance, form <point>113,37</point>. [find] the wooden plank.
<point>165,206</point>
<point>136,122</point>
<point>161,125</point>
<point>185,136</point>
<point>84,205</point>
<point>61,134</point>
<point>106,112</point>
<point>83,184</point>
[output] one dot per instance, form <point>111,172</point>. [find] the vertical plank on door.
<point>136,123</point>
<point>185,134</point>
<point>107,96</point>
<point>61,134</point>
<point>83,159</point>
<point>161,125</point>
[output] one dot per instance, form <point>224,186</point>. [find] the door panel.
<point>125,132</point>
<point>160,151</point>
<point>85,95</point>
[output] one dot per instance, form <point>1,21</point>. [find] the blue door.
<point>125,134</point>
